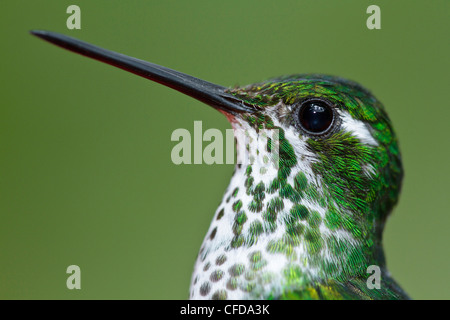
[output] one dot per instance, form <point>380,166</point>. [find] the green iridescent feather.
<point>356,201</point>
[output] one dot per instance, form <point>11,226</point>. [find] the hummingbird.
<point>309,227</point>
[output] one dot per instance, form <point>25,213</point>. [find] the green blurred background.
<point>86,175</point>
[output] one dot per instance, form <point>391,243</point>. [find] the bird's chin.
<point>230,117</point>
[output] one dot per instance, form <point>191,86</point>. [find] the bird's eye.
<point>316,116</point>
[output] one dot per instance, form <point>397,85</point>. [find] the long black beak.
<point>209,93</point>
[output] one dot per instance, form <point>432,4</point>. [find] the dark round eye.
<point>316,116</point>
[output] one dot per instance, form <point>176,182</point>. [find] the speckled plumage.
<point>310,228</point>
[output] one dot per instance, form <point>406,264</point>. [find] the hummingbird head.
<point>309,201</point>
<point>333,132</point>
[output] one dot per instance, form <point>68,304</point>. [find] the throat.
<point>272,233</point>
<point>281,227</point>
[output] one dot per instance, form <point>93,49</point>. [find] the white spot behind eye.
<point>357,128</point>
